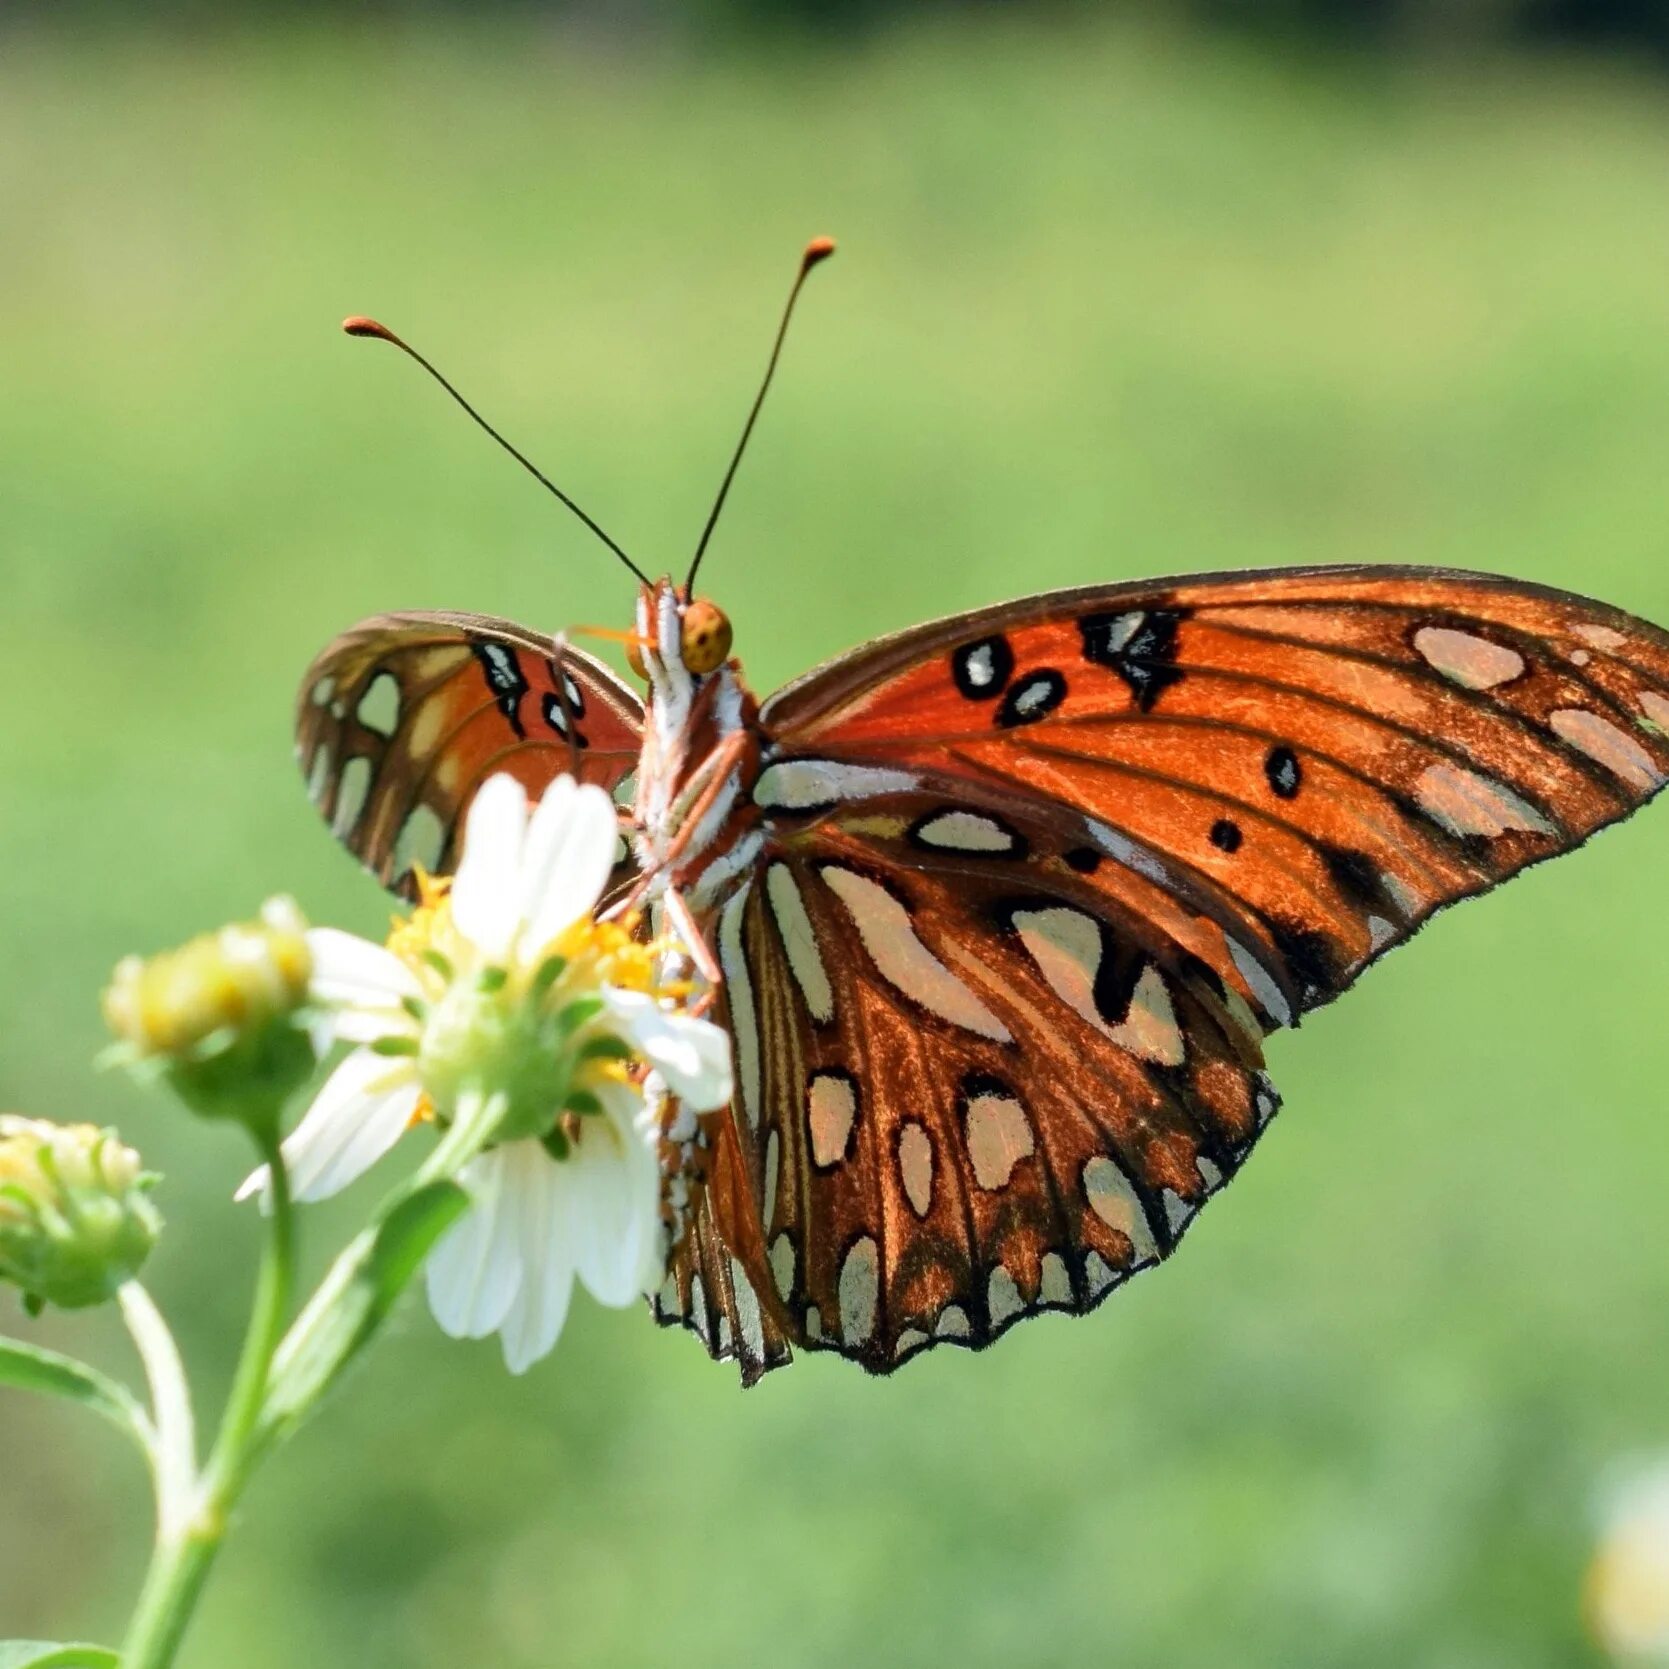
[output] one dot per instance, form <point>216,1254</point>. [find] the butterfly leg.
<point>695,942</point>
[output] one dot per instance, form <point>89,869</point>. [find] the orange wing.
<point>1317,759</point>
<point>401,719</point>
<point>1037,880</point>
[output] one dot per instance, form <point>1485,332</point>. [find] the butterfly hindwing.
<point>971,1085</point>
<point>401,719</point>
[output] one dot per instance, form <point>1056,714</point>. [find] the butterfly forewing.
<point>401,720</point>
<point>1328,756</point>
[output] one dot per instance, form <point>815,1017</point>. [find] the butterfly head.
<point>677,637</point>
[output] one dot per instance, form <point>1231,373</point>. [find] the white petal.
<point>565,866</point>
<point>547,1272</point>
<point>692,1055</point>
<point>352,972</point>
<point>485,897</point>
<point>361,1111</point>
<point>473,1273</point>
<point>614,1209</point>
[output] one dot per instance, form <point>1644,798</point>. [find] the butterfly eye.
<point>706,637</point>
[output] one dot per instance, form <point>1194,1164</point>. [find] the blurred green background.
<point>1116,295</point>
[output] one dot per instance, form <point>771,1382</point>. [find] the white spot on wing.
<point>801,784</point>
<point>1124,850</point>
<point>747,1313</point>
<point>952,1323</point>
<point>965,831</point>
<point>1472,662</point>
<point>773,1161</point>
<point>1607,744</point>
<point>1656,708</point>
<point>1056,1286</point>
<point>379,707</point>
<point>909,1341</point>
<point>1260,982</point>
<point>999,1137</point>
<point>421,840</point>
<point>831,1109</point>
<point>1002,1296</point>
<point>1099,1273</point>
<point>351,790</point>
<point>903,960</point>
<point>1066,946</point>
<point>323,690</point>
<point>1602,637</point>
<point>738,996</point>
<point>1112,1198</point>
<point>1469,803</point>
<point>318,774</point>
<point>859,1291</point>
<point>915,1166</point>
<point>782,1265</point>
<point>799,941</point>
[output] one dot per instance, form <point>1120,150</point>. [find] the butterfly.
<point>1000,910</point>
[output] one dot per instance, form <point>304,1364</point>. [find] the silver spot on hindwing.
<point>747,1313</point>
<point>999,1136</point>
<point>351,788</point>
<point>1099,1273</point>
<point>1602,637</point>
<point>884,925</point>
<point>860,1276</point>
<point>915,1166</point>
<point>1056,1287</point>
<point>421,841</point>
<point>965,831</point>
<point>379,707</point>
<point>1002,1296</point>
<point>799,942</point>
<point>782,1265</point>
<point>1114,1200</point>
<point>909,1341</point>
<point>952,1323</point>
<point>1260,982</point>
<point>831,1113</point>
<point>773,1161</point>
<point>318,774</point>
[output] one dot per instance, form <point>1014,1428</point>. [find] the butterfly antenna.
<point>357,326</point>
<point>819,249</point>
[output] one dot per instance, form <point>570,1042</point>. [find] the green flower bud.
<point>76,1219</point>
<point>224,1018</point>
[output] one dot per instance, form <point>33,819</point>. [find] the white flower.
<point>1628,1582</point>
<point>507,986</point>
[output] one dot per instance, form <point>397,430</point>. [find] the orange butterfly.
<point>999,910</point>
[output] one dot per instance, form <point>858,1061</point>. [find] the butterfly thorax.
<point>696,822</point>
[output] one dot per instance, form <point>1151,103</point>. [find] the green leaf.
<point>42,1654</point>
<point>355,1298</point>
<point>30,1368</point>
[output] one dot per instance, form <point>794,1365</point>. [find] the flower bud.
<point>224,1017</point>
<point>76,1220</point>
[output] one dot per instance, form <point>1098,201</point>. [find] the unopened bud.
<point>224,1015</point>
<point>76,1219</point>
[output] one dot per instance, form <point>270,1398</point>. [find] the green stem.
<point>186,1546</point>
<point>174,1440</point>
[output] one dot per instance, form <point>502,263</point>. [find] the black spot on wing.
<point>1035,697</point>
<point>1225,835</point>
<point>1085,859</point>
<point>557,719</point>
<point>504,679</point>
<point>1284,772</point>
<point>1139,645</point>
<point>982,669</point>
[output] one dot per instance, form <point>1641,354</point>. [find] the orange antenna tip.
<point>819,249</point>
<point>357,326</point>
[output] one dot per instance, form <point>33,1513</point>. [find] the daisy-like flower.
<point>1628,1583</point>
<point>504,986</point>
